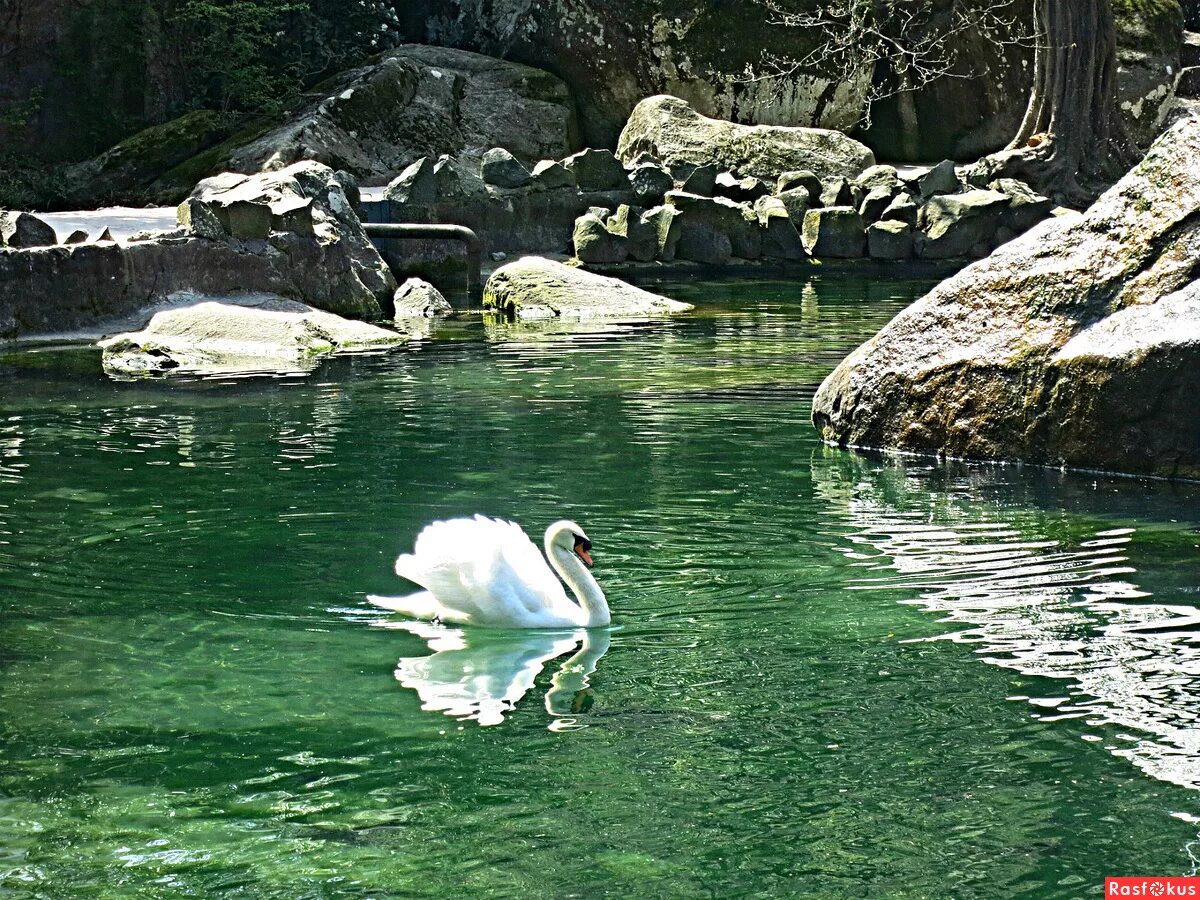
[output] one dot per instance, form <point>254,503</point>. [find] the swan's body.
<point>487,572</point>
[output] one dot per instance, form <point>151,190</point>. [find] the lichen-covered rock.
<point>941,179</point>
<point>596,170</point>
<point>418,299</point>
<point>641,237</point>
<point>739,190</point>
<point>805,179</point>
<point>650,182</point>
<point>1026,207</point>
<point>670,129</point>
<point>902,209</point>
<point>20,230</point>
<point>596,244</point>
<point>416,184</point>
<point>665,221</point>
<point>875,203</point>
<point>551,175</point>
<point>837,192</point>
<point>212,338</point>
<point>702,216</point>
<point>696,179</point>
<point>1075,344</point>
<point>797,201</point>
<point>952,225</point>
<point>502,169</point>
<point>780,239</point>
<point>834,231</point>
<point>889,240</point>
<point>880,176</point>
<point>538,288</point>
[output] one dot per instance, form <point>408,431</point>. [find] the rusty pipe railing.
<point>445,233</point>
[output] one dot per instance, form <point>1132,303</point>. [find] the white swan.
<point>485,571</point>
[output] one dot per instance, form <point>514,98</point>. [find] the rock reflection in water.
<point>481,674</point>
<point>1062,608</point>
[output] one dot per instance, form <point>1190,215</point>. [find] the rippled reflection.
<point>1063,608</point>
<point>481,674</point>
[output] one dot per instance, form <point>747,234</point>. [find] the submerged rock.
<point>670,129</point>
<point>538,288</point>
<point>213,338</point>
<point>1076,344</point>
<point>417,298</point>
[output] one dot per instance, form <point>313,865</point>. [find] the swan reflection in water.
<point>481,674</point>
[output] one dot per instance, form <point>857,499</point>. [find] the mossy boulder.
<point>1076,344</point>
<point>538,288</point>
<point>670,129</point>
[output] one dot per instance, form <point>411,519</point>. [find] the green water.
<point>831,675</point>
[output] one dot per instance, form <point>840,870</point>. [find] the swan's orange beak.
<point>584,555</point>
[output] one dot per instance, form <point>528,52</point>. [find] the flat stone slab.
<point>208,338</point>
<point>537,288</point>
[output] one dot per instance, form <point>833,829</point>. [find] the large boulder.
<point>538,288</point>
<point>1076,344</point>
<point>414,101</point>
<point>303,203</point>
<point>316,252</point>
<point>213,338</point>
<point>20,230</point>
<point>670,129</point>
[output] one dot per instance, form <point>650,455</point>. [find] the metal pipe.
<point>440,232</point>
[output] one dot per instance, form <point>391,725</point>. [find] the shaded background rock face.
<point>77,76</point>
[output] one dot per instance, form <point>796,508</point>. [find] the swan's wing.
<point>483,571</point>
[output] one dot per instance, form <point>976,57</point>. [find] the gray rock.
<point>835,231</point>
<point>1075,344</point>
<point>941,179</point>
<point>78,236</point>
<point>797,201</point>
<point>837,192</point>
<point>420,101</point>
<point>878,177</point>
<point>418,299</point>
<point>739,190</point>
<point>596,170</point>
<point>501,168</point>
<point>700,180</point>
<point>805,179</point>
<point>537,288</point>
<point>703,216</point>
<point>644,159</point>
<point>596,244</point>
<point>902,209</point>
<point>670,129</point>
<point>780,238</point>
<point>350,188</point>
<point>889,240</point>
<point>875,203</point>
<point>106,237</point>
<point>20,230</point>
<point>416,185</point>
<point>198,217</point>
<point>245,219</point>
<point>549,175</point>
<point>641,236</point>
<point>1026,207</point>
<point>295,214</point>
<point>650,182</point>
<point>665,221</point>
<point>211,338</point>
<point>952,224</point>
<point>454,180</point>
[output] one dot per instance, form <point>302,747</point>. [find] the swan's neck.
<point>570,568</point>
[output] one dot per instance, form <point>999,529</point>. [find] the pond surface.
<point>832,675</point>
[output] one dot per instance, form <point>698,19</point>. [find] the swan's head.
<point>566,535</point>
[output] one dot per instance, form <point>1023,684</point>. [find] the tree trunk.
<point>1072,119</point>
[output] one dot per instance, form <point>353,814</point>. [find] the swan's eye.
<point>582,543</point>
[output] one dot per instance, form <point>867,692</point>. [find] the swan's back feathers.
<point>485,570</point>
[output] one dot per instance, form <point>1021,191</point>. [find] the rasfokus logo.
<point>1152,886</point>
